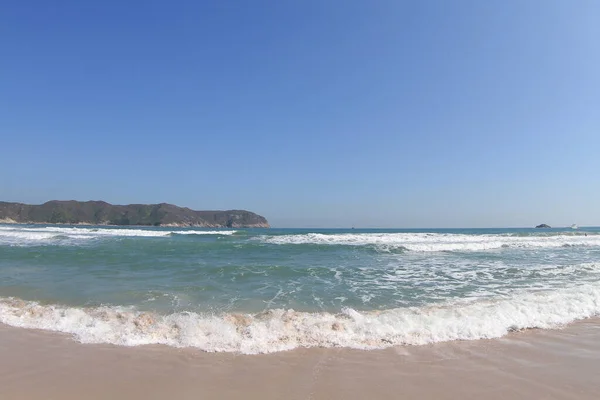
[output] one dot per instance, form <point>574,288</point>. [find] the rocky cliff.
<point>102,213</point>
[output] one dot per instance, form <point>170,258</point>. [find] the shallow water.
<point>264,290</point>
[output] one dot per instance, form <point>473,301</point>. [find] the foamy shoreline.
<point>558,364</point>
<point>283,330</point>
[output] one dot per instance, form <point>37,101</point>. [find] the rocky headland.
<point>103,213</point>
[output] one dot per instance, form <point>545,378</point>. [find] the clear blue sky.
<point>312,113</point>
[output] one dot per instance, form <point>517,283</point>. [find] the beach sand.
<point>535,364</point>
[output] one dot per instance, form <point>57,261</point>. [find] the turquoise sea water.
<point>262,290</point>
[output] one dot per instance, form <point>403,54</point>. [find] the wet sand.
<point>556,364</point>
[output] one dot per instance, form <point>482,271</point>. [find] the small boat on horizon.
<point>574,226</point>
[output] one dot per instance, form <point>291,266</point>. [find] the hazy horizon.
<point>303,224</point>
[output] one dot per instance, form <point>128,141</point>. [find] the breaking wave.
<point>279,330</point>
<point>430,242</point>
<point>12,235</point>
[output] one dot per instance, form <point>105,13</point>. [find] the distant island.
<point>543,226</point>
<point>103,213</point>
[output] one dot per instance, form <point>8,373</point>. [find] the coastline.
<point>550,364</point>
<point>95,212</point>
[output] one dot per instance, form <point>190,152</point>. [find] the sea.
<point>257,291</point>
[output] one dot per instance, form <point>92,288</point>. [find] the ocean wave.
<point>280,330</point>
<point>546,234</point>
<point>203,233</point>
<point>12,235</point>
<point>430,242</point>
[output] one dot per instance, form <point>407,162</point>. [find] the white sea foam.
<point>279,330</point>
<point>428,242</point>
<point>226,233</point>
<point>19,235</point>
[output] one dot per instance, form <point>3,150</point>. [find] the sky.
<point>323,113</point>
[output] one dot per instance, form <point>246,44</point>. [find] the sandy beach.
<point>549,364</point>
